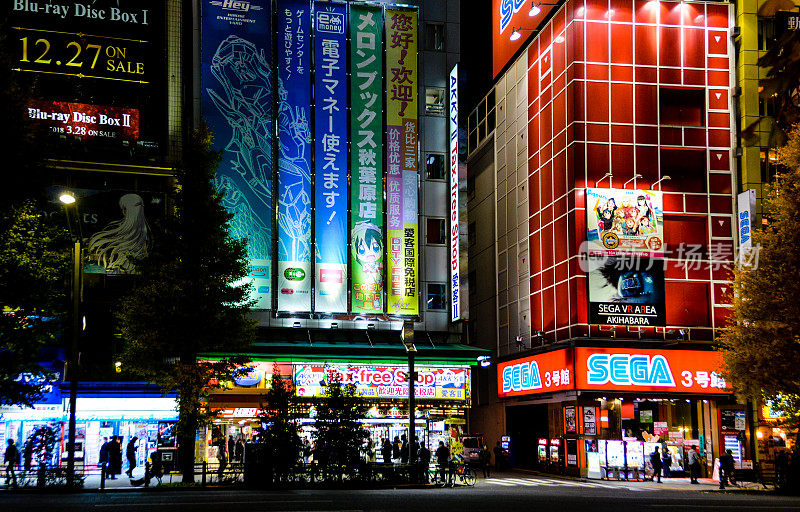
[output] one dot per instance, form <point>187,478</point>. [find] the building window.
<point>436,232</point>
<point>437,297</point>
<point>434,166</point>
<point>434,37</point>
<point>435,101</point>
<point>682,107</point>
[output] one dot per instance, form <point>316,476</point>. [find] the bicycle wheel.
<point>469,477</point>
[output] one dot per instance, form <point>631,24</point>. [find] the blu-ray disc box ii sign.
<point>99,55</point>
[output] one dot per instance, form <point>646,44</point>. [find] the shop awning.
<point>359,352</point>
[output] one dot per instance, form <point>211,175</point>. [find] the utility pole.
<point>411,349</point>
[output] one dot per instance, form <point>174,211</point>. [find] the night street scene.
<point>346,255</point>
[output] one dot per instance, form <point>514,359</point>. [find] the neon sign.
<point>627,369</point>
<point>509,8</point>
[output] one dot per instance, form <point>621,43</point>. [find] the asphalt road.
<point>517,492</point>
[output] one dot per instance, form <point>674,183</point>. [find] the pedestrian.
<point>666,463</point>
<point>386,451</point>
<point>130,454</point>
<point>726,466</point>
<point>240,449</point>
<point>222,457</point>
<point>498,457</point>
<point>405,449</point>
<point>781,468</point>
<point>231,448</point>
<point>694,464</point>
<point>28,454</point>
<point>11,459</point>
<point>655,461</point>
<point>424,458</point>
<point>396,449</point>
<point>306,450</point>
<point>115,457</point>
<point>443,460</point>
<point>103,459</point>
<point>485,457</point>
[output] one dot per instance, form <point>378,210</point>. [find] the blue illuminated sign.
<point>629,370</point>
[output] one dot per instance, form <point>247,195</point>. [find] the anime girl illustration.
<point>122,241</point>
<point>368,251</point>
<point>605,214</point>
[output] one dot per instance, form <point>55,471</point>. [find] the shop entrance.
<point>525,424</point>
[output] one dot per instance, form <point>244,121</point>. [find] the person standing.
<point>222,457</point>
<point>498,457</point>
<point>726,465</point>
<point>231,448</point>
<point>386,451</point>
<point>443,460</point>
<point>28,454</point>
<point>655,461</point>
<point>396,448</point>
<point>130,454</point>
<point>103,460</point>
<point>240,450</point>
<point>424,460</point>
<point>115,457</point>
<point>404,449</point>
<point>485,457</point>
<point>11,459</point>
<point>694,464</point>
<point>666,464</point>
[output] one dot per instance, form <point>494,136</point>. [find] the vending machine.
<point>542,452</point>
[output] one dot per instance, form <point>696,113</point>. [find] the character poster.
<point>622,222</point>
<point>626,291</point>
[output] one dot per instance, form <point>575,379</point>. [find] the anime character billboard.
<point>624,222</point>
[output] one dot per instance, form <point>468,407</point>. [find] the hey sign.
<point>677,371</point>
<point>543,373</point>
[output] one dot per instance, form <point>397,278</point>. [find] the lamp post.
<point>68,200</point>
<point>408,341</point>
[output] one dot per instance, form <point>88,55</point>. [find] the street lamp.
<point>68,200</point>
<point>516,34</point>
<point>407,335</point>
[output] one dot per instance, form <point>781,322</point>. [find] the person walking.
<point>130,454</point>
<point>655,461</point>
<point>666,463</point>
<point>386,451</point>
<point>115,457</point>
<point>443,461</point>
<point>11,459</point>
<point>222,457</point>
<point>726,465</point>
<point>485,457</point>
<point>694,464</point>
<point>28,454</point>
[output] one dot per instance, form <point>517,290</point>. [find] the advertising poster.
<point>678,371</point>
<point>455,263</point>
<point>91,58</point>
<point>624,222</point>
<point>402,180</point>
<point>294,155</point>
<point>237,100</point>
<point>543,373</point>
<point>385,381</point>
<point>366,159</point>
<point>330,150</point>
<point>570,420</point>
<point>626,291</point>
<point>590,421</point>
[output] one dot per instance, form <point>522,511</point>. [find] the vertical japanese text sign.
<point>455,272</point>
<point>366,158</point>
<point>294,155</point>
<point>402,161</point>
<point>237,105</point>
<point>330,157</point>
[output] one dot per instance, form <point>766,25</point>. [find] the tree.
<point>34,259</point>
<point>340,435</point>
<point>281,432</point>
<point>190,297</point>
<point>761,346</point>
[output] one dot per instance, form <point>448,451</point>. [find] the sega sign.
<point>677,371</point>
<point>627,370</point>
<point>552,371</point>
<point>509,8</point>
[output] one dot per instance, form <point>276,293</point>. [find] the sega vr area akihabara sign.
<point>384,381</point>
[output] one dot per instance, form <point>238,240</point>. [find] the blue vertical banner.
<point>237,95</point>
<point>294,155</point>
<point>330,157</point>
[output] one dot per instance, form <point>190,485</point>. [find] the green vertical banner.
<point>366,159</point>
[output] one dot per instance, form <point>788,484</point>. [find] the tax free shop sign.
<point>607,369</point>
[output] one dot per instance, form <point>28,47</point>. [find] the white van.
<point>472,448</point>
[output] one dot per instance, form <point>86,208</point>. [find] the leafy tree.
<point>339,435</point>
<point>190,297</point>
<point>282,433</point>
<point>34,259</point>
<point>761,346</point>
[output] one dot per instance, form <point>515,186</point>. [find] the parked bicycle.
<point>457,474</point>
